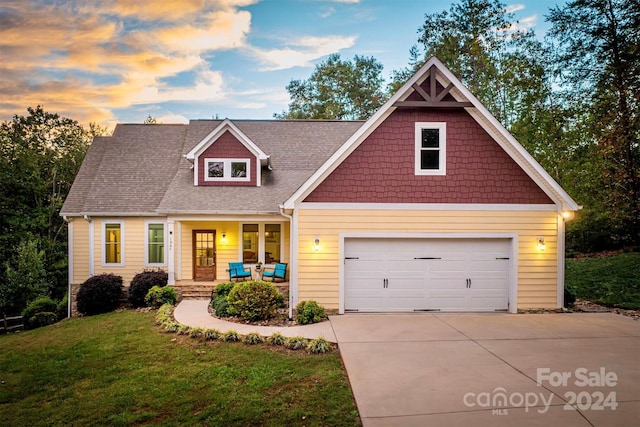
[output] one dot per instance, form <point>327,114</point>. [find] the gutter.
<point>293,255</point>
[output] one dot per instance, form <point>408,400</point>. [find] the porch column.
<point>171,261</point>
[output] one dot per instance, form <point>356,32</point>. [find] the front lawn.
<point>120,369</point>
<point>612,280</point>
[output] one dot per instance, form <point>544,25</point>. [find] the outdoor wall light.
<point>541,245</point>
<point>224,237</point>
<point>567,215</point>
<point>316,244</point>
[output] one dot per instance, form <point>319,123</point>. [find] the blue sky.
<point>122,60</point>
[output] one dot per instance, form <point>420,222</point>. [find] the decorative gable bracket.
<point>432,99</point>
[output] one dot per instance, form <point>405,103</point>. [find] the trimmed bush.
<point>43,318</point>
<point>63,307</point>
<point>158,296</point>
<point>172,327</point>
<point>196,333</point>
<point>319,346</point>
<point>223,289</point>
<point>99,294</point>
<point>38,305</point>
<point>221,306</point>
<point>142,283</point>
<point>212,334</point>
<point>309,312</point>
<point>231,336</point>
<point>184,330</point>
<point>254,300</point>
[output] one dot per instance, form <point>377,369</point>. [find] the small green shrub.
<point>319,346</point>
<point>223,289</point>
<point>296,343</point>
<point>221,306</point>
<point>212,334</point>
<point>142,282</point>
<point>309,312</point>
<point>276,339</point>
<point>253,338</point>
<point>43,318</point>
<point>196,333</point>
<point>99,294</point>
<point>231,336</point>
<point>63,307</point>
<point>158,296</point>
<point>254,300</point>
<point>171,327</point>
<point>38,305</point>
<point>184,330</point>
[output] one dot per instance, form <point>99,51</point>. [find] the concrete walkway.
<point>492,369</point>
<point>194,312</point>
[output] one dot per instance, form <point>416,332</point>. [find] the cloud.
<point>328,12</point>
<point>301,52</point>
<point>511,8</point>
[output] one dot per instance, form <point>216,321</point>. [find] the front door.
<point>204,255</point>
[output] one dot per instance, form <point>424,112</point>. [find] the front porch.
<point>192,289</point>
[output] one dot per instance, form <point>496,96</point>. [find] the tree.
<point>26,278</point>
<point>337,89</point>
<point>598,60</point>
<point>40,155</point>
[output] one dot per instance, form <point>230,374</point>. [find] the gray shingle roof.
<point>140,169</point>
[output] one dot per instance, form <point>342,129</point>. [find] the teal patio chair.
<point>237,271</point>
<point>278,272</point>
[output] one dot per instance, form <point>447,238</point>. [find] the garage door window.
<point>431,146</point>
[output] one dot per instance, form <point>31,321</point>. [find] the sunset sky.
<point>122,60</point>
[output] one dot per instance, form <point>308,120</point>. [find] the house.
<point>429,205</point>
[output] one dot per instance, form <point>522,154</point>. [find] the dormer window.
<point>227,170</point>
<point>431,148</point>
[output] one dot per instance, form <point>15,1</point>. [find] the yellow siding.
<point>80,250</point>
<point>318,272</point>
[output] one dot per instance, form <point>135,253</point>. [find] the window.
<point>113,246</point>
<point>430,146</point>
<point>155,244</point>
<point>261,242</point>
<point>227,170</point>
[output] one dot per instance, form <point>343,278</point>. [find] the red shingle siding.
<point>381,169</point>
<point>227,147</point>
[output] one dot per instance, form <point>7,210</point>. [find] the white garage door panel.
<point>463,274</point>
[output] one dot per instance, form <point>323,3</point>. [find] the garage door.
<point>426,274</point>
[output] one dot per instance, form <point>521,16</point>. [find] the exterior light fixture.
<point>567,215</point>
<point>224,237</point>
<point>316,244</point>
<point>541,245</point>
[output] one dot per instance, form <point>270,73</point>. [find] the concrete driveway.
<point>492,369</point>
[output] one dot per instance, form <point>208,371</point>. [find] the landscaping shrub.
<point>99,294</point>
<point>172,327</point>
<point>63,307</point>
<point>231,336</point>
<point>296,343</point>
<point>184,330</point>
<point>253,338</point>
<point>319,346</point>
<point>38,305</point>
<point>254,300</point>
<point>158,296</point>
<point>196,333</point>
<point>142,283</point>
<point>212,334</point>
<point>309,312</point>
<point>276,339</point>
<point>42,318</point>
<point>223,289</point>
<point>219,301</point>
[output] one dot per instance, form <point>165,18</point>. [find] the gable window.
<point>155,245</point>
<point>112,233</point>
<point>430,148</point>
<point>227,170</point>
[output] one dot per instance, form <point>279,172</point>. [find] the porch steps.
<point>195,291</point>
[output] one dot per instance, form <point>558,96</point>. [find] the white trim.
<point>146,243</point>
<point>441,149</point>
<point>222,217</point>
<point>92,249</point>
<point>103,243</point>
<point>513,271</point>
<point>170,256</point>
<point>70,265</point>
<point>293,261</point>
<point>227,168</point>
<point>561,261</point>
<point>178,248</point>
<point>482,116</point>
<point>426,206</point>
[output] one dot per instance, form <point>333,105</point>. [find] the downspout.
<point>70,254</point>
<point>293,259</point>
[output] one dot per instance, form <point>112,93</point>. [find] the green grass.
<point>610,280</point>
<point>120,369</point>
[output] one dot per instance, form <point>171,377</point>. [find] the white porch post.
<point>171,257</point>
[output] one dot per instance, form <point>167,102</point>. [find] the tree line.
<point>571,99</point>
